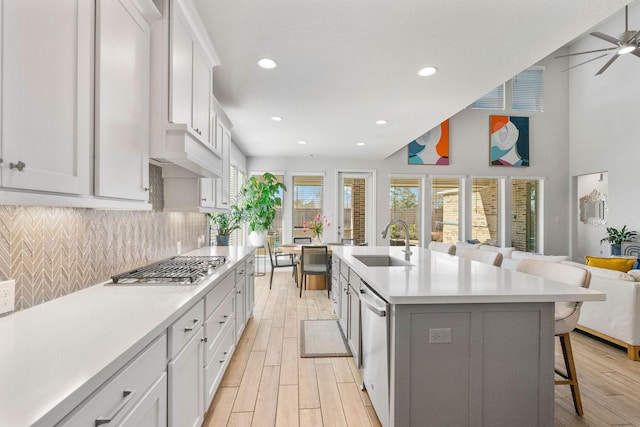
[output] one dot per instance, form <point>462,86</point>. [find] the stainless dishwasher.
<point>375,350</point>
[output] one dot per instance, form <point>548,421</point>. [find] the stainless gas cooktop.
<point>177,270</point>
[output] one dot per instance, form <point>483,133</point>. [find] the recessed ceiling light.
<point>302,142</point>
<point>276,118</point>
<point>427,71</point>
<point>267,63</point>
<point>381,122</point>
<point>361,144</point>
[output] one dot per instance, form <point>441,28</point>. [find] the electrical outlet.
<point>440,336</point>
<point>179,247</point>
<point>7,296</point>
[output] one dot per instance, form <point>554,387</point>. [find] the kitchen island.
<point>61,356</point>
<point>469,344</point>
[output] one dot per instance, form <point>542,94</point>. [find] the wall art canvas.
<point>509,141</point>
<point>432,148</point>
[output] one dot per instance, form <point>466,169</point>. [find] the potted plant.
<point>259,199</point>
<point>225,223</point>
<point>616,237</point>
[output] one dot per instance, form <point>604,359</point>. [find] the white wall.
<point>469,155</point>
<point>604,132</point>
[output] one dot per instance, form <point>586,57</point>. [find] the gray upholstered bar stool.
<point>487,257</point>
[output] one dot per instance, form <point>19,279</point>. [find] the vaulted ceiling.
<point>343,65</point>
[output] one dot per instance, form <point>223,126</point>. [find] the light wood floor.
<point>268,384</point>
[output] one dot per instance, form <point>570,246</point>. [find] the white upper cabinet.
<point>47,85</point>
<point>123,36</point>
<point>202,94</point>
<point>183,58</point>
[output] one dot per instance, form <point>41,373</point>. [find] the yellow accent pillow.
<point>619,264</point>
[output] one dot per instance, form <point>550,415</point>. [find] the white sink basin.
<point>381,261</point>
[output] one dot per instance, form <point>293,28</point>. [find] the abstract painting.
<point>432,148</point>
<point>509,142</point>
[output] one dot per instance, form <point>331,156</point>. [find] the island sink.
<point>381,261</point>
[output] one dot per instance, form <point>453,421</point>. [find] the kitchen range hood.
<point>182,148</point>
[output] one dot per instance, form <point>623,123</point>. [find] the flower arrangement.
<point>316,225</point>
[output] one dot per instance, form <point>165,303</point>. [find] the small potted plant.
<point>225,223</point>
<point>259,199</point>
<point>616,237</point>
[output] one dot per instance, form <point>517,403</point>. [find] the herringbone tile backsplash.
<point>51,252</point>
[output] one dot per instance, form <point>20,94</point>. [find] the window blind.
<point>493,100</point>
<point>528,90</point>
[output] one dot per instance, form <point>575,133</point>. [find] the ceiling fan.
<point>627,42</point>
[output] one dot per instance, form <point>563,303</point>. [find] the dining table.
<point>314,282</point>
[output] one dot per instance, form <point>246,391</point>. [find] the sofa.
<point>616,320</point>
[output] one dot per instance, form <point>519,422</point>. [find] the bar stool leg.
<point>570,377</point>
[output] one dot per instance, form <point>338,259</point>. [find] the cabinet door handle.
<point>190,328</point>
<point>20,165</point>
<point>127,395</point>
<point>204,339</point>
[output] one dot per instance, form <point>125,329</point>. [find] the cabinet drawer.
<point>344,270</point>
<point>335,263</point>
<point>181,331</point>
<point>241,271</point>
<point>219,293</point>
<point>251,262</point>
<point>116,397</point>
<point>216,323</point>
<point>214,370</point>
<point>354,279</point>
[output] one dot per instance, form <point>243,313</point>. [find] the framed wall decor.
<point>509,141</point>
<point>432,148</point>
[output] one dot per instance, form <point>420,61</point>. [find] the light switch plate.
<point>7,296</point>
<point>439,336</point>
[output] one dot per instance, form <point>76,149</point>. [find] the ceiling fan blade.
<point>587,51</point>
<point>585,62</point>
<point>606,37</point>
<point>607,64</point>
<point>636,52</point>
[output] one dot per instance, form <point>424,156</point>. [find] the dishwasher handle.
<point>370,303</point>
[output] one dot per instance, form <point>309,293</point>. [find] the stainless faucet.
<point>407,251</point>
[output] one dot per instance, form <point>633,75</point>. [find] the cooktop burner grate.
<point>174,270</point>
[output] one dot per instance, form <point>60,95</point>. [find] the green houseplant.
<point>616,237</point>
<point>225,223</point>
<point>259,198</point>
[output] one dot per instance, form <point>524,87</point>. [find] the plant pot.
<point>222,239</point>
<point>258,238</point>
<point>616,249</point>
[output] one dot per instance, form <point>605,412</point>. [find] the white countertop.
<point>54,354</point>
<point>438,278</point>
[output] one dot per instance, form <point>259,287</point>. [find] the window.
<point>275,232</point>
<point>445,210</point>
<point>527,90</point>
<point>307,201</point>
<point>236,179</point>
<point>404,203</point>
<point>525,195</point>
<point>484,210</point>
<point>527,93</point>
<point>494,100</point>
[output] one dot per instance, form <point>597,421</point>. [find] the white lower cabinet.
<point>151,411</point>
<point>186,369</point>
<point>353,333</point>
<point>136,396</point>
<point>219,334</point>
<point>241,300</point>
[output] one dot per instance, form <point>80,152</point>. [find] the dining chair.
<point>314,261</point>
<point>280,260</point>
<point>566,315</point>
<point>302,240</point>
<point>447,248</point>
<point>487,257</point>
<point>348,242</point>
